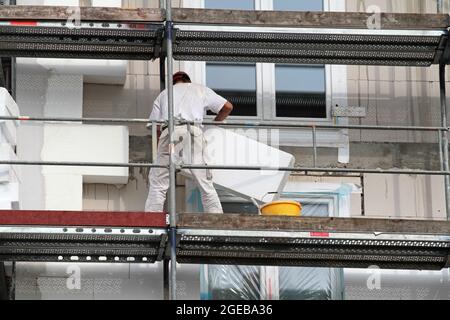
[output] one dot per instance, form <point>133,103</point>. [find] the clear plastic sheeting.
<point>230,283</point>
<point>270,283</point>
<point>311,284</point>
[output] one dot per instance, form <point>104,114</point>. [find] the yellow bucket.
<point>282,208</point>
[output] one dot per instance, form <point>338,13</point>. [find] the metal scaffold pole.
<point>444,140</point>
<point>172,167</point>
<point>162,84</point>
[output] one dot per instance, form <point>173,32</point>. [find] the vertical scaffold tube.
<point>172,167</point>
<point>444,139</point>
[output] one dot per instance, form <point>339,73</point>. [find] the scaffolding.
<point>405,40</point>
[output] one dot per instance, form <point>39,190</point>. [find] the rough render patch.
<point>140,148</point>
<point>362,155</point>
<point>366,155</point>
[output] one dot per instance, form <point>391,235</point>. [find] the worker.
<point>190,104</point>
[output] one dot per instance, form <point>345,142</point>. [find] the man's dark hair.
<point>181,77</point>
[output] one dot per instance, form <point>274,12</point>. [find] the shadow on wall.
<point>130,197</point>
<point>133,100</point>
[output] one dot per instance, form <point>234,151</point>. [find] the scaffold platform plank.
<point>309,19</point>
<point>228,17</point>
<point>66,13</point>
<point>314,224</point>
<point>313,242</point>
<point>135,237</point>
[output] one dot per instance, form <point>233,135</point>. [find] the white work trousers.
<point>188,149</point>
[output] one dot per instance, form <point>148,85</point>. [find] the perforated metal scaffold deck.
<point>306,38</point>
<point>119,237</point>
<point>48,41</point>
<point>82,236</point>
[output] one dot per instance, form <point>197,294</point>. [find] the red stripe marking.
<point>83,219</point>
<point>24,23</point>
<point>319,234</point>
<point>138,26</point>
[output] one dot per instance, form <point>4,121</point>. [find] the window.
<point>236,83</point>
<point>268,91</point>
<point>311,209</point>
<point>298,5</point>
<point>300,91</point>
<point>232,203</point>
<point>230,4</point>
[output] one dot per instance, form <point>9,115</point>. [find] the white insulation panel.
<point>230,148</point>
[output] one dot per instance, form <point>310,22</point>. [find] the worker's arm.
<point>158,132</point>
<point>224,112</point>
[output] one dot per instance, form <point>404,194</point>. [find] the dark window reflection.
<point>237,84</point>
<point>300,91</point>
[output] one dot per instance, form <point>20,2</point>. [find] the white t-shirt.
<point>190,102</point>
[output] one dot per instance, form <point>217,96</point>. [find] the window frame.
<point>330,200</point>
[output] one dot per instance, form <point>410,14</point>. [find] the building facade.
<point>403,96</point>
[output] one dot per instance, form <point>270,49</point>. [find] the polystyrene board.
<point>9,192</point>
<point>4,174</point>
<point>63,192</point>
<point>229,148</point>
<point>87,143</point>
<point>5,205</point>
<point>8,132</point>
<point>8,108</point>
<point>8,173</point>
<point>93,71</point>
<point>7,101</point>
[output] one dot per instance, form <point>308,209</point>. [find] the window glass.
<point>315,209</point>
<point>298,5</point>
<point>300,91</point>
<point>236,83</point>
<point>230,4</point>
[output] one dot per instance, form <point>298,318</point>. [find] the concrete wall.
<point>397,96</point>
